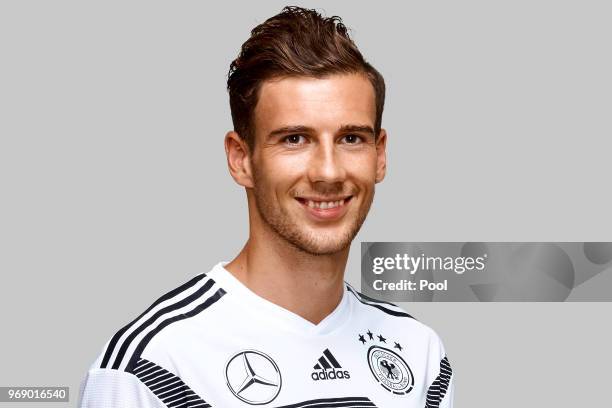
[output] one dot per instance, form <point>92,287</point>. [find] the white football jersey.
<point>212,342</point>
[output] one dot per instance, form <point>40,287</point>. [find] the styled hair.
<point>297,42</point>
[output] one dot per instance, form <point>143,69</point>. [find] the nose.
<point>326,164</point>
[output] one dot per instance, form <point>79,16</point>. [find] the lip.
<point>327,214</point>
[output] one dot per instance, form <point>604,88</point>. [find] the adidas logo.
<point>328,368</point>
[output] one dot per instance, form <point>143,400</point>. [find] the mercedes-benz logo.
<point>253,377</point>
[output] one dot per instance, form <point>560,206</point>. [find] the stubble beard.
<point>282,224</point>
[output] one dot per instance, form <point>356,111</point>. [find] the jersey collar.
<point>277,315</point>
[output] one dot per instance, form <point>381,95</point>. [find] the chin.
<point>315,243</point>
<point>320,250</point>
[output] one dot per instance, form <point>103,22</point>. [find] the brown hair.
<point>295,42</point>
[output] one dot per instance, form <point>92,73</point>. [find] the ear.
<point>238,159</point>
<point>381,155</point>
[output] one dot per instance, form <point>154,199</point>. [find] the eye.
<point>294,139</point>
<point>352,139</point>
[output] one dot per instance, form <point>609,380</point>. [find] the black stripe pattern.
<point>124,345</point>
<point>113,343</point>
<point>378,304</point>
<point>438,388</point>
<point>201,305</point>
<point>151,320</point>
<point>169,388</point>
<point>345,402</point>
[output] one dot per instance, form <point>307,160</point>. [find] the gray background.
<point>115,188</point>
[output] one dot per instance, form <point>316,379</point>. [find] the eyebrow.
<point>307,129</point>
<point>357,128</point>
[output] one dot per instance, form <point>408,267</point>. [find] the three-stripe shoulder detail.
<point>189,299</point>
<point>386,307</point>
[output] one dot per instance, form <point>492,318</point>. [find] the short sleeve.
<point>441,388</point>
<point>108,388</point>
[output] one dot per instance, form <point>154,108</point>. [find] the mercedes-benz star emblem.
<point>253,377</point>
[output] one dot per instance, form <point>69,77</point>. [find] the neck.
<point>310,286</point>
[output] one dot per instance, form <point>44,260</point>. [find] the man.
<point>278,326</point>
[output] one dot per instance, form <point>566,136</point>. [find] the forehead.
<point>321,103</point>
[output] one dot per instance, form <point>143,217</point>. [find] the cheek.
<point>362,168</point>
<point>278,175</point>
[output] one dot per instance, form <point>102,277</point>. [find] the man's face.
<point>316,159</point>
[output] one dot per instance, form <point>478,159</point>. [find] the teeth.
<point>324,205</point>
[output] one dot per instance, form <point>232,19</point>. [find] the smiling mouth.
<point>324,204</point>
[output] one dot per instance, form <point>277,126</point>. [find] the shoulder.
<point>390,314</point>
<point>388,308</point>
<point>193,298</point>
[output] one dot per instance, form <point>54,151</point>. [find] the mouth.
<point>324,204</point>
<point>328,208</point>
